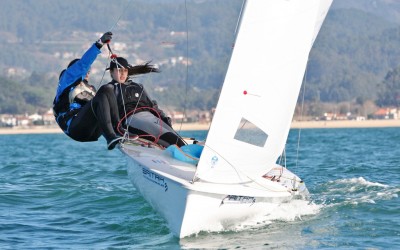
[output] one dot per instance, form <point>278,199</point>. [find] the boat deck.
<point>159,160</point>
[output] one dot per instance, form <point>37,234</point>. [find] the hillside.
<point>358,45</point>
<point>386,9</point>
<point>351,56</point>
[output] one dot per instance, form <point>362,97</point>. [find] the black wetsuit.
<point>133,97</point>
<point>86,115</point>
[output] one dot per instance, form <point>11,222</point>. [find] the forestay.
<point>258,98</point>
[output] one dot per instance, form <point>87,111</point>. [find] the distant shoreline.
<point>346,124</point>
<point>205,126</point>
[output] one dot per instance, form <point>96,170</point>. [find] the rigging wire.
<point>120,16</point>
<point>235,33</point>
<point>187,66</point>
<point>113,56</point>
<point>110,54</point>
<point>240,17</point>
<point>220,90</point>
<point>129,116</point>
<point>301,117</point>
<point>239,173</point>
<point>126,134</point>
<point>237,170</point>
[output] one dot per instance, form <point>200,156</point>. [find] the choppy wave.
<point>354,191</point>
<point>58,194</point>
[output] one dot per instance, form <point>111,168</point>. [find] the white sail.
<point>258,98</point>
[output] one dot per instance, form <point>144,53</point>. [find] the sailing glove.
<point>105,38</point>
<point>161,113</point>
<point>168,121</point>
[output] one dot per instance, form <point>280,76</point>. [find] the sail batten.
<point>260,91</point>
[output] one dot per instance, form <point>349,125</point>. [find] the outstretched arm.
<point>79,69</point>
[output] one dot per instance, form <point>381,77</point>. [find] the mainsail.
<point>258,98</point>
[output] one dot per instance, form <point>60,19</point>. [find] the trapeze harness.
<point>71,101</point>
<point>145,118</point>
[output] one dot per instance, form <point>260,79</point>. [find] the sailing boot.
<point>111,143</point>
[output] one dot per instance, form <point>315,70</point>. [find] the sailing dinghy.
<point>235,176</point>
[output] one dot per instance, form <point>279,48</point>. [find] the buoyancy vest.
<point>63,109</point>
<point>82,93</point>
<point>71,101</point>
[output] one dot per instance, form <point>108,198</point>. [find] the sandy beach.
<point>205,126</point>
<point>346,124</point>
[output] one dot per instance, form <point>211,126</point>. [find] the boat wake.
<point>338,193</point>
<point>355,191</point>
<point>264,229</point>
<point>295,210</point>
<point>291,222</point>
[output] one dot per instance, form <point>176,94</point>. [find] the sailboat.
<point>236,176</point>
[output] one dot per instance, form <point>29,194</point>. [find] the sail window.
<point>249,133</point>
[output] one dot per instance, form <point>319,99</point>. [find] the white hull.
<point>190,207</point>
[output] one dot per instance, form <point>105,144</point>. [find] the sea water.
<point>56,193</point>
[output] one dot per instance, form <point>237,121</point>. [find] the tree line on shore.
<point>353,66</point>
